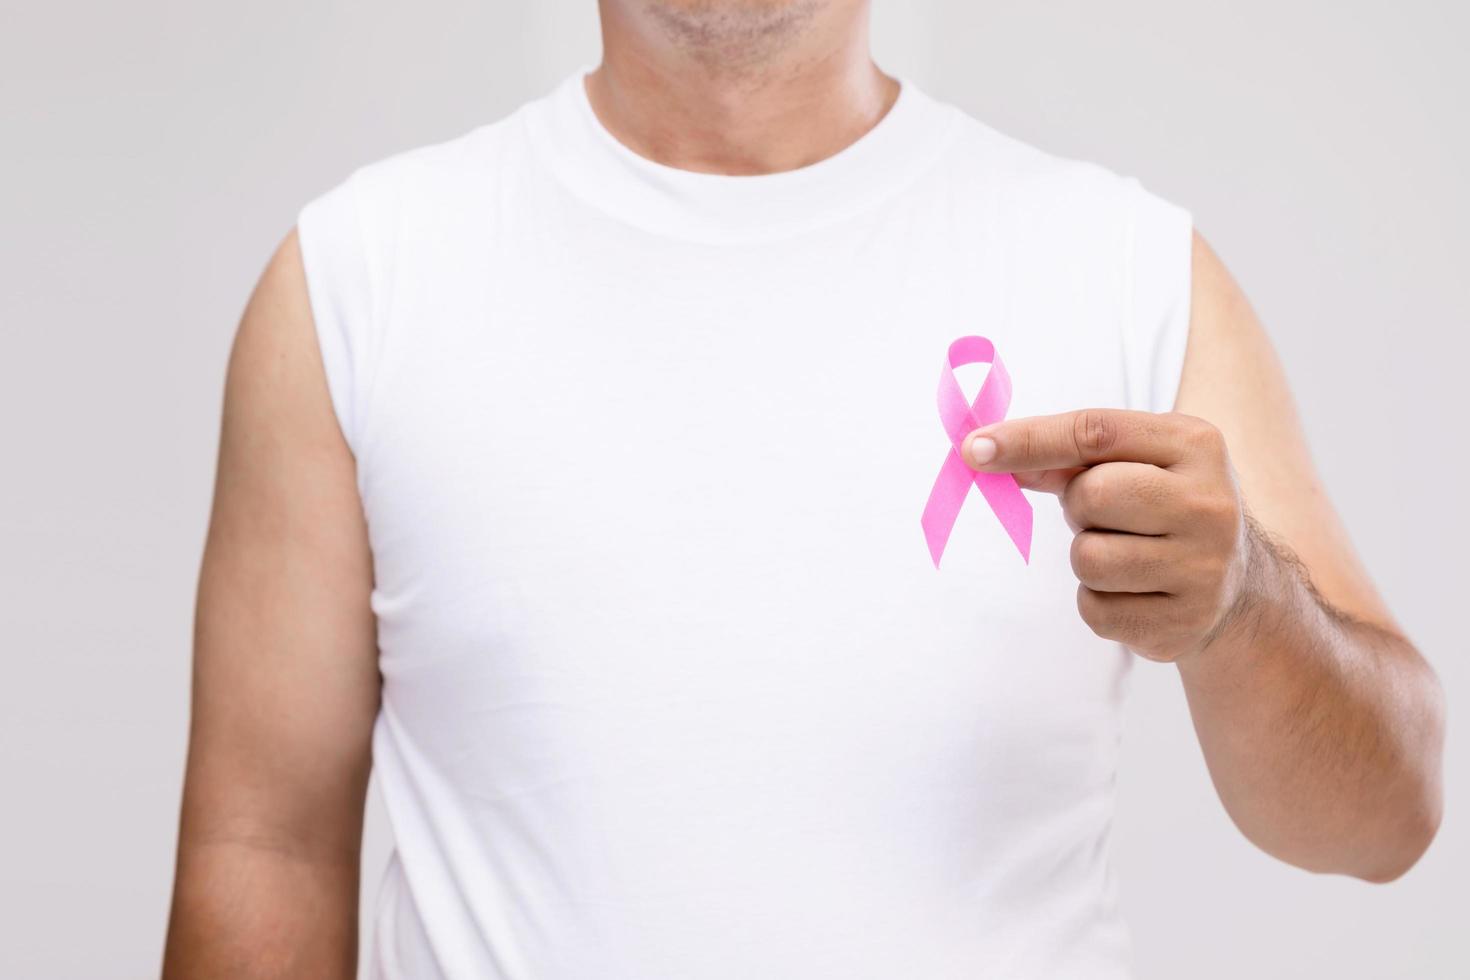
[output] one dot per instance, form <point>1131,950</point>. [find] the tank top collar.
<point>607,174</point>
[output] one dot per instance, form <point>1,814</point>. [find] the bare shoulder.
<point>283,461</point>
<point>1233,377</point>
<point>275,372</point>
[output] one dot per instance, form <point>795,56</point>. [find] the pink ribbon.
<point>955,476</point>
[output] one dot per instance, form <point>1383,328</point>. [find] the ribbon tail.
<point>945,500</point>
<point>1010,505</point>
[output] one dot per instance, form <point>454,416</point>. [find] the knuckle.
<point>1094,432</point>
<point>1220,510</point>
<point>1088,492</point>
<point>1092,609</point>
<point>1204,435</point>
<point>1024,444</point>
<point>1183,421</point>
<point>1089,557</point>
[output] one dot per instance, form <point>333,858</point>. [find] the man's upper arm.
<point>1233,379</point>
<point>286,685</point>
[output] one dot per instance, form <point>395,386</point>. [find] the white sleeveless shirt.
<point>672,689</point>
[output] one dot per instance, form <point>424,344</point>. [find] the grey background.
<point>155,152</point>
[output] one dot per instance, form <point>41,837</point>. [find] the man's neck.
<point>775,92</point>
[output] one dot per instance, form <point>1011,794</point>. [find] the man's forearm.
<point>1323,734</point>
<point>251,911</point>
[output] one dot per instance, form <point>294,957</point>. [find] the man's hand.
<point>1162,547</point>
<point>1321,723</point>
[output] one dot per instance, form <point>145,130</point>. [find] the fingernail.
<point>982,450</point>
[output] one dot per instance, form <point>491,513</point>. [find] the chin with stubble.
<point>733,35</point>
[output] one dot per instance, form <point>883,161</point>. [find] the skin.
<point>737,86</point>
<point>1321,725</point>
<point>285,686</point>
<point>1203,538</point>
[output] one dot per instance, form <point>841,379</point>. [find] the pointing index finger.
<point>1080,438</point>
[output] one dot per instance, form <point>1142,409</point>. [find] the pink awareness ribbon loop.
<point>955,477</point>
